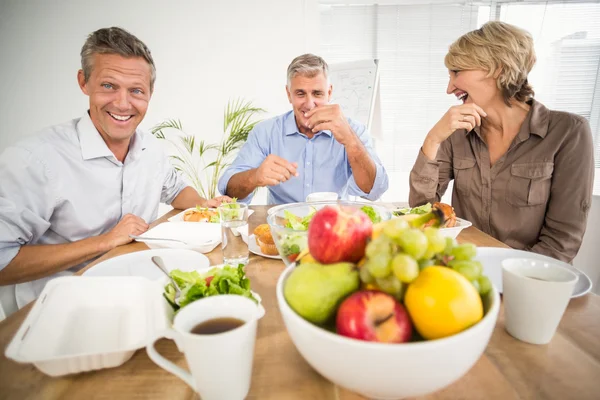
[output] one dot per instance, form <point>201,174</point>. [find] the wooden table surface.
<point>567,368</point>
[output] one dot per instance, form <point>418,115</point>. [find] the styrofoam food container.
<point>86,323</point>
<point>456,229</point>
<point>202,237</point>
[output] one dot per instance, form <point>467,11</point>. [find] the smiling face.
<point>119,92</point>
<point>474,86</point>
<point>306,93</point>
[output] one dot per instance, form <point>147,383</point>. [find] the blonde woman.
<point>522,173</point>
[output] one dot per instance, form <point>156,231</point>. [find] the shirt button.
<point>308,163</point>
<point>307,185</point>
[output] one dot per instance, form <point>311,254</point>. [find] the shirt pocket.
<point>529,184</point>
<point>463,174</point>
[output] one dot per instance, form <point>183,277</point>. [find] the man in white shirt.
<point>79,189</point>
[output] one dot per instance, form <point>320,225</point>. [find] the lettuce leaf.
<point>194,286</point>
<point>424,209</point>
<point>296,223</point>
<point>371,213</point>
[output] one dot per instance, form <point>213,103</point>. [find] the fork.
<point>160,264</point>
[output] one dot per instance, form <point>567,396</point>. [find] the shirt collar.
<point>93,146</point>
<point>535,123</point>
<point>291,128</point>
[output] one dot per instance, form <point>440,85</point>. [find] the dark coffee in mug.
<point>216,325</point>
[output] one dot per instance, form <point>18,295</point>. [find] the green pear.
<point>315,291</point>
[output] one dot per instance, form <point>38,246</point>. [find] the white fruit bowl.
<point>389,371</point>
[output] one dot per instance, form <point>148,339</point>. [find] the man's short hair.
<point>307,65</point>
<point>114,41</point>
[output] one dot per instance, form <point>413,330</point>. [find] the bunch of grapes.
<point>399,252</point>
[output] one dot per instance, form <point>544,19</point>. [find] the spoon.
<point>161,265</point>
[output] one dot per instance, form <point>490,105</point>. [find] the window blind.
<point>412,38</point>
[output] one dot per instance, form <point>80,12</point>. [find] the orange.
<point>441,302</point>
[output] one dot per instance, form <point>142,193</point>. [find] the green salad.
<point>424,209</point>
<point>371,213</point>
<point>231,211</point>
<point>195,285</point>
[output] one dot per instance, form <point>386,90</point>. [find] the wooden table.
<point>567,368</point>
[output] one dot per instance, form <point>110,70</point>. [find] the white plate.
<point>179,217</point>
<point>201,237</point>
<point>491,258</point>
<point>254,248</point>
<point>140,263</point>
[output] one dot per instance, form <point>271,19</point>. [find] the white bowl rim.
<point>492,313</point>
<point>461,224</point>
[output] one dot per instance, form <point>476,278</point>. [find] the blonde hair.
<point>497,47</point>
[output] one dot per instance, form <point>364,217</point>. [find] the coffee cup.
<point>535,295</point>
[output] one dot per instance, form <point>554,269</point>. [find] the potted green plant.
<point>202,163</point>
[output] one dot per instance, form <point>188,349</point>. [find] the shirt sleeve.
<point>173,183</point>
<point>429,179</point>
<point>570,199</point>
<point>250,156</point>
<point>381,183</point>
<point>27,201</point>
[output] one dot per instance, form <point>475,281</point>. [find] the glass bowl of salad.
<point>289,223</point>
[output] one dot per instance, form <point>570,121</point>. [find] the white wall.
<point>206,52</point>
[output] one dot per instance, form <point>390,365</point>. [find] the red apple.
<point>374,317</point>
<point>338,233</point>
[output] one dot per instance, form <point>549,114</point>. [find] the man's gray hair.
<point>114,41</point>
<point>307,65</point>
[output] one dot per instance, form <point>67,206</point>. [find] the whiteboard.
<point>356,90</point>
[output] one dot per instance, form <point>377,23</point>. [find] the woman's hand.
<point>465,116</point>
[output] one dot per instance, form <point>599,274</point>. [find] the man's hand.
<point>128,225</point>
<point>216,202</point>
<point>330,117</point>
<point>274,170</point>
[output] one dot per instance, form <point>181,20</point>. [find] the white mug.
<point>220,364</point>
<point>321,196</point>
<point>535,294</point>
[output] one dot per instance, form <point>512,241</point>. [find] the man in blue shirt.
<point>312,148</point>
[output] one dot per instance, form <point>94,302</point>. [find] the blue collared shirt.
<point>323,164</point>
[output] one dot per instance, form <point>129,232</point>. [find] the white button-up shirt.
<point>65,184</point>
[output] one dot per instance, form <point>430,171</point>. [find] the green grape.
<point>429,253</point>
<point>469,269</point>
<point>475,283</point>
<point>414,243</point>
<point>389,285</point>
<point>450,244</point>
<point>465,251</point>
<point>379,265</point>
<point>485,285</point>
<point>437,242</point>
<point>394,227</point>
<point>378,246</point>
<point>365,275</point>
<point>425,263</point>
<point>405,268</point>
